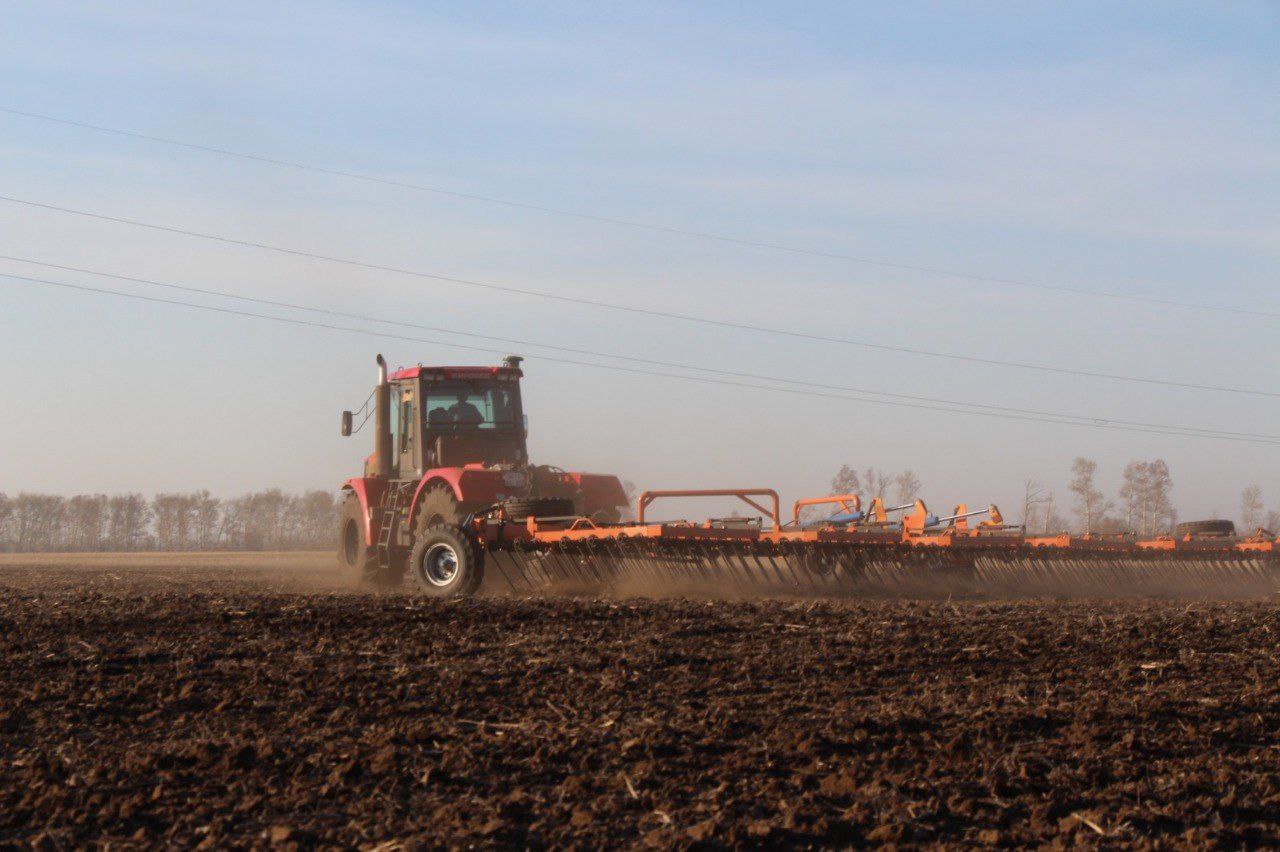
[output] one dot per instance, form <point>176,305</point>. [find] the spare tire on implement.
<point>1216,527</point>
<point>538,507</point>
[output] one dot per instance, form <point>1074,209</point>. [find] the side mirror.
<point>346,424</point>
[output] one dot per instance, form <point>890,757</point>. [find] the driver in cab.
<point>464,413</point>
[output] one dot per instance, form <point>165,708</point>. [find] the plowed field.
<point>234,701</point>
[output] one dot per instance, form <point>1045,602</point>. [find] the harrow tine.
<point>581,566</point>
<point>790,562</point>
<point>759,565</point>
<point>611,562</point>
<point>499,556</point>
<point>686,560</point>
<point>755,565</point>
<point>737,565</point>
<point>646,570</point>
<point>529,561</point>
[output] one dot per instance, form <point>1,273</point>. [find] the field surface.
<point>215,701</point>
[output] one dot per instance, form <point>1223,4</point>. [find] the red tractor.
<point>449,443</point>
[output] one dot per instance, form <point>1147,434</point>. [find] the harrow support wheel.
<point>446,563</point>
<point>1214,527</point>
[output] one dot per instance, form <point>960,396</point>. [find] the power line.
<point>613,355</point>
<point>647,226</point>
<point>634,370</point>
<point>649,312</point>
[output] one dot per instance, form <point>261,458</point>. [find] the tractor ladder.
<point>392,513</point>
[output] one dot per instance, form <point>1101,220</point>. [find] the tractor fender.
<point>447,477</point>
<point>598,490</point>
<point>472,486</point>
<point>368,490</point>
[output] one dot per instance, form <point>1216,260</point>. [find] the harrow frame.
<point>920,553</point>
<point>917,529</point>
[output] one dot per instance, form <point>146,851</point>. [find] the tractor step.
<point>391,509</point>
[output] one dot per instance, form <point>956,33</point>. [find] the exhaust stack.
<point>382,423</point>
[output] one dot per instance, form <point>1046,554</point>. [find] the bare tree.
<point>263,519</point>
<point>876,482</point>
<point>314,516</point>
<point>1033,495</point>
<point>230,524</point>
<point>1160,514</point>
<point>1131,492</point>
<point>174,520</point>
<point>1146,493</point>
<point>205,516</point>
<point>273,508</point>
<point>86,522</point>
<point>6,515</point>
<point>1273,521</point>
<point>846,481</point>
<point>1053,522</point>
<point>908,486</point>
<point>38,521</point>
<point>128,517</point>
<point>1091,504</point>
<point>1251,509</point>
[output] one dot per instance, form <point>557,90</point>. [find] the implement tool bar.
<point>743,494</point>
<point>848,502</point>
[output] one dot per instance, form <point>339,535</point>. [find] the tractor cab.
<point>443,417</point>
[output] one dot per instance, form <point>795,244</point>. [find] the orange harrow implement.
<point>900,550</point>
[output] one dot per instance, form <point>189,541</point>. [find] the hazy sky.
<point>1132,148</point>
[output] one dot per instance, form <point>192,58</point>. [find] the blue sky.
<point>1122,147</point>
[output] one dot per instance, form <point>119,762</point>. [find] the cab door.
<point>407,431</point>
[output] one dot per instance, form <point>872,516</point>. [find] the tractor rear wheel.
<point>445,563</point>
<point>356,559</point>
<point>438,507</point>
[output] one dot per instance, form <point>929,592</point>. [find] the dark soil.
<point>138,710</point>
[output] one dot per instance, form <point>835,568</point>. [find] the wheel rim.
<point>351,543</point>
<point>440,565</point>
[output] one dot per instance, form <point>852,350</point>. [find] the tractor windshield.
<point>475,404</point>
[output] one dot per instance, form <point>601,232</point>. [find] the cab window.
<point>460,404</point>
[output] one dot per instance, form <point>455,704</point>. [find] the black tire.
<point>438,507</point>
<point>1216,527</point>
<point>610,515</point>
<point>445,563</point>
<point>538,507</point>
<point>354,558</point>
<point>816,563</point>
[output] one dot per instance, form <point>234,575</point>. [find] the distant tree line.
<point>872,482</point>
<point>1143,504</point>
<point>261,520</point>
<point>1253,513</point>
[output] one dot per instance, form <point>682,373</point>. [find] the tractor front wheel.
<point>445,563</point>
